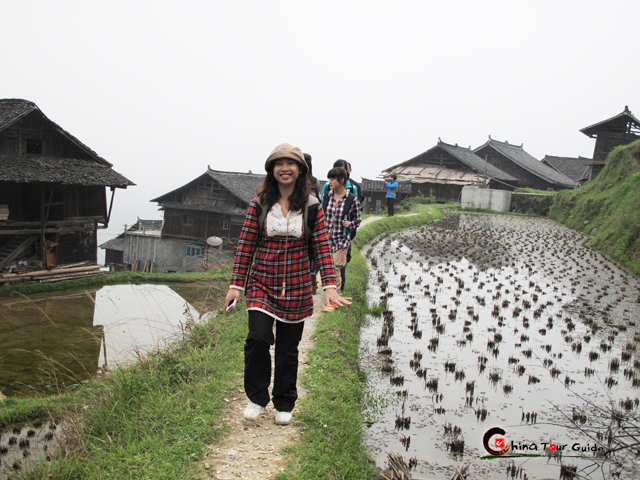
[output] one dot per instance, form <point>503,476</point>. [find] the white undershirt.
<point>277,222</point>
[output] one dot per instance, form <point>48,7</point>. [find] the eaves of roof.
<point>34,168</point>
<point>619,121</point>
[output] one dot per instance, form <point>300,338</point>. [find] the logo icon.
<point>499,442</point>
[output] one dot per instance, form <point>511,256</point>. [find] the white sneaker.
<point>252,411</point>
<point>283,418</point>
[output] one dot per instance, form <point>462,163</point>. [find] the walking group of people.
<point>293,231</point>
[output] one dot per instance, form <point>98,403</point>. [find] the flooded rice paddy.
<point>52,341</point>
<point>507,322</point>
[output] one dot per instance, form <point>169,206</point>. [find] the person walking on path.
<point>271,266</point>
<point>343,217</point>
<point>391,184</point>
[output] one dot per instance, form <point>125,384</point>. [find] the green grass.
<point>608,208</point>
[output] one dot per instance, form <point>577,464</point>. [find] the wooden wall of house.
<point>76,247</point>
<point>113,256</point>
<point>199,225</point>
<point>11,195</point>
<point>607,141</point>
<point>63,202</point>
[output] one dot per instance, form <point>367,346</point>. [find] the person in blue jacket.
<point>391,184</point>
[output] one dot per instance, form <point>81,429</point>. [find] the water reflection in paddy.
<point>55,340</point>
<point>488,319</point>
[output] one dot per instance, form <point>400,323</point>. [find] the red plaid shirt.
<point>263,288</point>
<point>335,216</point>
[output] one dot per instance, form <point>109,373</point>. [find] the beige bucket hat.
<point>286,150</point>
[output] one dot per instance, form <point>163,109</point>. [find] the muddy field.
<point>507,322</point>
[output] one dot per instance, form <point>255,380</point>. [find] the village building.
<point>440,172</point>
<point>212,205</point>
<point>529,171</point>
<point>115,248</point>
<point>622,129</point>
<point>53,195</point>
<point>577,169</point>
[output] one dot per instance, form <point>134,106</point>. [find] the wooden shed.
<point>52,190</point>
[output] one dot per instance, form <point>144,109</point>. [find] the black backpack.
<point>347,209</point>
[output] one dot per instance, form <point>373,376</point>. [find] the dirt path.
<point>252,450</point>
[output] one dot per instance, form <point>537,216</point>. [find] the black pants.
<point>390,205</point>
<point>257,361</point>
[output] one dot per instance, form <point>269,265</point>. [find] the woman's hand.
<point>331,297</point>
<point>345,223</point>
<point>232,294</point>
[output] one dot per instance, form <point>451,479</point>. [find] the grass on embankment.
<point>608,208</point>
<point>332,445</point>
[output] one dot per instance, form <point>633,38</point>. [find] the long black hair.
<point>269,193</point>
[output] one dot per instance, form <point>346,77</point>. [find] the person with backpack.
<point>342,212</point>
<point>349,186</point>
<point>271,266</point>
<point>391,184</point>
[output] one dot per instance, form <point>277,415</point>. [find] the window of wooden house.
<point>34,145</point>
<point>195,250</point>
<point>187,220</point>
<point>224,224</point>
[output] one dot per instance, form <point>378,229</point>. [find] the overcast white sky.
<point>161,89</point>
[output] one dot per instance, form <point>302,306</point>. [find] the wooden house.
<point>52,190</point>
<point>622,129</point>
<point>528,171</point>
<point>577,169</point>
<point>212,205</point>
<point>443,170</point>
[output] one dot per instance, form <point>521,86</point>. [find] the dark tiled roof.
<point>576,169</point>
<point>114,244</point>
<point>67,171</point>
<point>466,156</point>
<point>620,123</point>
<point>242,185</point>
<point>202,207</point>
<point>13,109</point>
<point>521,158</point>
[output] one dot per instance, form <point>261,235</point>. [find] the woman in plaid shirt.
<point>278,287</point>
